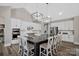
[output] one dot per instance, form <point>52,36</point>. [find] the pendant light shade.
<point>37,16</point>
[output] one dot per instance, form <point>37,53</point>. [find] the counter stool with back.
<point>25,48</point>
<point>45,48</point>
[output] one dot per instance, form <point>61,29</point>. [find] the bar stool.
<point>55,45</point>
<point>30,49</point>
<point>20,45</point>
<point>59,40</point>
<point>25,48</point>
<point>45,48</point>
<point>23,51</point>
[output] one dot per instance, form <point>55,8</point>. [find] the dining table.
<point>36,41</point>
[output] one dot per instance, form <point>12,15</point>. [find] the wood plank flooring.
<point>67,49</point>
<point>1,52</point>
<point>8,51</point>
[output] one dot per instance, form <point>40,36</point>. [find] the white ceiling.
<point>55,10</point>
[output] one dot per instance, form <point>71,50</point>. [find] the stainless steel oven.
<point>15,32</point>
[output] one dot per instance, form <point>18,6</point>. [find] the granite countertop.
<point>37,38</point>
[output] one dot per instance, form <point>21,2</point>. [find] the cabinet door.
<point>18,25</point>
<point>68,37</point>
<point>15,23</point>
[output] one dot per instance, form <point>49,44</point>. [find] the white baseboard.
<point>5,45</point>
<point>76,43</point>
<point>67,41</point>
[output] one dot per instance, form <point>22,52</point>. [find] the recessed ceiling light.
<point>60,13</point>
<point>48,16</point>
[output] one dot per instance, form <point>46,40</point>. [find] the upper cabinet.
<point>65,25</point>
<point>15,23</point>
<point>2,20</point>
<point>23,25</point>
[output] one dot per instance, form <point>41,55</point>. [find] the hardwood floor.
<point>67,49</point>
<point>1,52</point>
<point>8,51</point>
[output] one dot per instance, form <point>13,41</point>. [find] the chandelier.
<point>39,17</point>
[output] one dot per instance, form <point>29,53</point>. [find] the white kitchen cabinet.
<point>2,20</point>
<point>66,25</point>
<point>15,23</point>
<point>69,37</point>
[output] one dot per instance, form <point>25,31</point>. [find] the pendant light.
<point>37,16</point>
